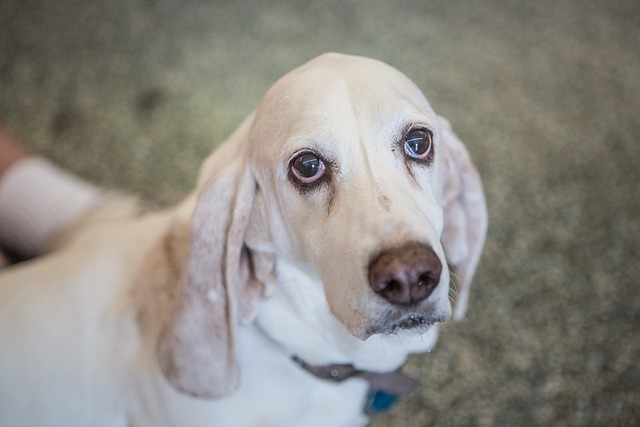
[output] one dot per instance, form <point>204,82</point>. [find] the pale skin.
<point>11,151</point>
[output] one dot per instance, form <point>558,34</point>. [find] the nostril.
<point>427,279</point>
<point>427,282</point>
<point>394,291</point>
<point>393,286</point>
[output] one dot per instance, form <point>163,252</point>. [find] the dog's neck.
<point>384,388</point>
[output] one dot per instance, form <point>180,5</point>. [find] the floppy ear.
<point>219,287</point>
<point>465,214</point>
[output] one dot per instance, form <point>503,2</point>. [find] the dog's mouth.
<point>414,322</point>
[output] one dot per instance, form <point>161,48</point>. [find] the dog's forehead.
<point>337,94</point>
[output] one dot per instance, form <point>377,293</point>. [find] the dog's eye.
<point>417,144</point>
<point>307,168</point>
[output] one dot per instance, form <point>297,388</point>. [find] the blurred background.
<point>133,94</point>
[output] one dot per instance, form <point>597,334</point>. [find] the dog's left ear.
<point>223,279</point>
<point>465,214</point>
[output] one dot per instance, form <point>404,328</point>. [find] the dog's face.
<point>346,175</point>
<point>349,149</point>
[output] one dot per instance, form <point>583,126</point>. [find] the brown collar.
<point>385,388</point>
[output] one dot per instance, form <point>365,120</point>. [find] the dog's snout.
<point>405,275</point>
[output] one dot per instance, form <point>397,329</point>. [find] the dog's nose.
<point>405,275</point>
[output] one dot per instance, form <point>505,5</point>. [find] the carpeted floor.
<point>132,94</point>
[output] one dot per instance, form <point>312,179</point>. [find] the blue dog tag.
<point>380,401</point>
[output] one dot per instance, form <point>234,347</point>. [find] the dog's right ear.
<point>465,214</point>
<point>196,350</point>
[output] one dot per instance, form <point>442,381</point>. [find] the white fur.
<point>88,331</point>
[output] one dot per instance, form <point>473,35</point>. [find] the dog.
<point>286,290</point>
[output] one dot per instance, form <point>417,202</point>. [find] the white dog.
<point>286,291</point>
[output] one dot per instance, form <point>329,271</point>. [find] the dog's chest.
<point>274,391</point>
<point>284,394</point>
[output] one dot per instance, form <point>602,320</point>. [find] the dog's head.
<point>345,172</point>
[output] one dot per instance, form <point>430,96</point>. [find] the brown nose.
<point>405,275</point>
